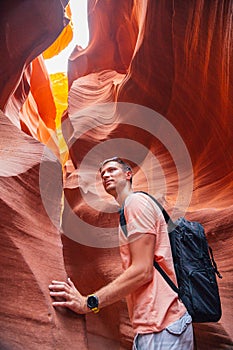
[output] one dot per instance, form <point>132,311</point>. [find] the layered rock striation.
<point>153,86</point>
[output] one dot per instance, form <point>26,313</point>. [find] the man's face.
<point>114,177</point>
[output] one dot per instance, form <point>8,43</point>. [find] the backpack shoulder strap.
<point>166,277</point>
<point>165,214</point>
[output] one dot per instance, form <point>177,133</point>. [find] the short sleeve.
<point>141,214</point>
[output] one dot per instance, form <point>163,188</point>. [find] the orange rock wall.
<point>31,249</point>
<point>174,57</point>
<point>180,66</point>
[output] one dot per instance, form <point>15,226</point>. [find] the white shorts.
<point>177,336</point>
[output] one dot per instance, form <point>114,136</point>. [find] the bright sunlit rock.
<point>80,37</point>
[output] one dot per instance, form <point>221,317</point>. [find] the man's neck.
<point>120,198</point>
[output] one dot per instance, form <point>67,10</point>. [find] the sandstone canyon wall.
<point>153,85</point>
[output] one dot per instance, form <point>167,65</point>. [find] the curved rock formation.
<point>31,250</point>
<point>180,66</point>
<point>153,86</point>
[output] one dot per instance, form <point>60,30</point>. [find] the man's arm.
<point>139,273</point>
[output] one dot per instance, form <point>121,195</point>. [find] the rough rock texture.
<point>173,57</point>
<point>180,66</point>
<point>31,250</point>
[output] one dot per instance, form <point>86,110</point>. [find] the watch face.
<point>92,301</point>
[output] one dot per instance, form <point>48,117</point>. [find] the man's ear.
<point>128,174</point>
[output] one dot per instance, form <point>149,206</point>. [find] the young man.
<point>159,318</point>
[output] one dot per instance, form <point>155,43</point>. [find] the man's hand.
<point>68,296</point>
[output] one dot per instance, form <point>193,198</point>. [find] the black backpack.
<point>194,264</point>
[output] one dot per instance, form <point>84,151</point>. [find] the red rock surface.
<point>31,252</point>
<point>173,57</point>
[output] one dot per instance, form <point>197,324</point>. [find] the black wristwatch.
<point>93,303</point>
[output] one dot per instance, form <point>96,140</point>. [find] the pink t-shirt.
<point>155,305</point>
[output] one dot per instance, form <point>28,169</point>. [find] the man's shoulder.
<point>141,199</point>
<point>140,196</point>
<point>136,196</point>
